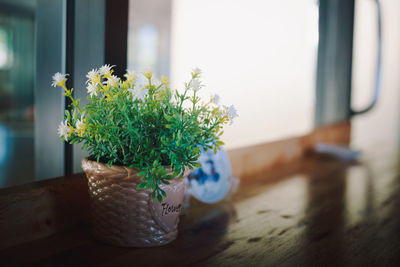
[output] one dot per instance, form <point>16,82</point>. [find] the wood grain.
<point>43,208</point>
<point>253,159</point>
<point>313,212</point>
<point>36,210</point>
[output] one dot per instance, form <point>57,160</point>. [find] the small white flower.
<point>79,124</point>
<point>196,85</point>
<point>230,112</point>
<point>112,80</point>
<point>105,69</point>
<point>141,94</point>
<point>63,130</point>
<point>58,78</point>
<point>197,71</point>
<point>91,75</point>
<point>156,82</point>
<point>92,89</point>
<point>233,112</point>
<point>215,99</point>
<point>138,94</point>
<point>130,75</point>
<point>80,127</point>
<point>148,73</point>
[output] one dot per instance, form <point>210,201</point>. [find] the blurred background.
<point>288,66</point>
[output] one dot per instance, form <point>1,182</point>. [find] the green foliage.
<point>149,127</point>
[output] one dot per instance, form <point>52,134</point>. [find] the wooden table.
<point>313,212</point>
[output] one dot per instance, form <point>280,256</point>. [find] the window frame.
<point>335,57</point>
<point>76,36</point>
<point>49,102</point>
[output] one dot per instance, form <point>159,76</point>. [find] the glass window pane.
<point>260,55</point>
<point>17,109</point>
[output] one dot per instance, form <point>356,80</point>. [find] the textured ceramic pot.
<point>124,216</point>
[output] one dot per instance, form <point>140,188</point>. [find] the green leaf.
<point>159,198</point>
<point>149,135</point>
<point>141,186</point>
<point>197,164</point>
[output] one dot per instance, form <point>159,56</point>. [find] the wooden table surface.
<point>314,212</point>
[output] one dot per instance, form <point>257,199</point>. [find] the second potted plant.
<point>142,139</point>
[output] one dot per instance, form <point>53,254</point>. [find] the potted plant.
<point>142,139</point>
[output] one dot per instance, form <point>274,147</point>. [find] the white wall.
<point>258,55</point>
